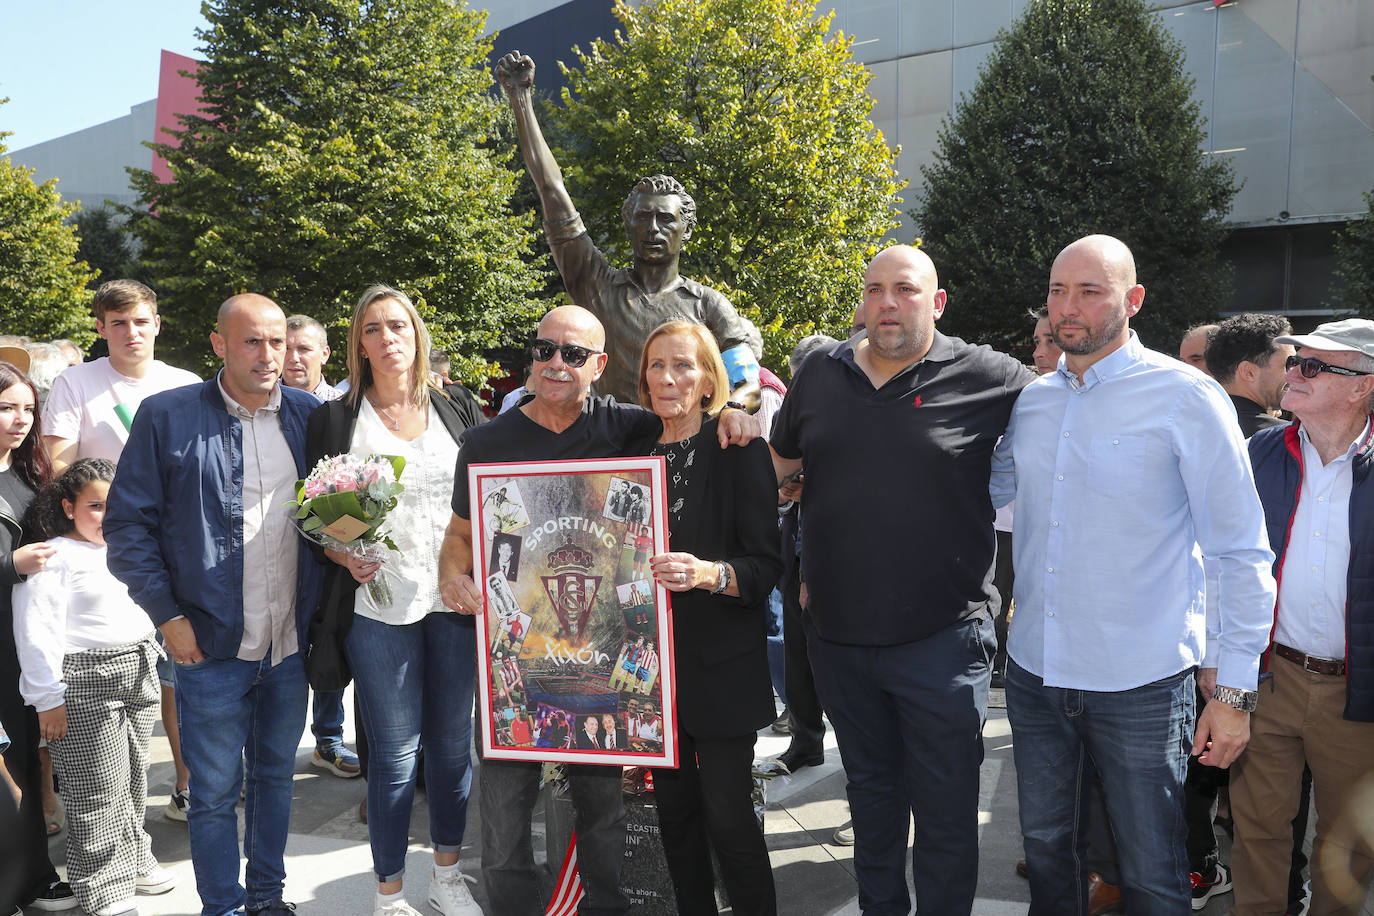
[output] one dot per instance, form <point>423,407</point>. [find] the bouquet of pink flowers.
<point>343,503</point>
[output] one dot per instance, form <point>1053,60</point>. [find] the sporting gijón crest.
<point>571,590</point>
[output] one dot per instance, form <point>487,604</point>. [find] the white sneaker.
<point>399,908</point>
<point>178,805</point>
<point>449,894</point>
<point>156,880</point>
<point>119,908</point>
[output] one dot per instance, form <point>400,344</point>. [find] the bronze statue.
<point>659,217</point>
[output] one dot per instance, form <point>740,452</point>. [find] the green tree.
<point>342,143</point>
<point>1081,122</point>
<point>763,115</point>
<point>42,283</point>
<point>1355,264</point>
<point>104,244</point>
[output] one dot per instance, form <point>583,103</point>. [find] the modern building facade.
<point>1287,88</point>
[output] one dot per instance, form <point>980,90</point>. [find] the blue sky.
<point>68,64</point>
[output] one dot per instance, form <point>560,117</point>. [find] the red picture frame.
<point>574,627</point>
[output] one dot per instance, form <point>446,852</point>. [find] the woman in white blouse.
<point>413,661</point>
<point>88,664</point>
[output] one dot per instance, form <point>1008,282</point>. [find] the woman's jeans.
<point>415,686</point>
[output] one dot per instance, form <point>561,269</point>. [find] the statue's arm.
<point>515,73</point>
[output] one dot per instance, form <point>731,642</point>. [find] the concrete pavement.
<point>329,864</point>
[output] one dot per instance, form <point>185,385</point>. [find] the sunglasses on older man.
<point>1311,367</point>
<point>573,356</point>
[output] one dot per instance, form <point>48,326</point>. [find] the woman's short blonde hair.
<point>360,370</point>
<point>708,357</point>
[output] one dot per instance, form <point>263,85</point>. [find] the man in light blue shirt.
<point>1126,467</point>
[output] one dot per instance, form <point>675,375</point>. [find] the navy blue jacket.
<point>174,519</point>
<point>1277,459</point>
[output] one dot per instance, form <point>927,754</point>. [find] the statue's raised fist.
<point>515,71</point>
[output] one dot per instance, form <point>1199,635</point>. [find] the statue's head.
<point>659,216</point>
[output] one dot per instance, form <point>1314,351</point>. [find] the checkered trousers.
<point>102,768</point>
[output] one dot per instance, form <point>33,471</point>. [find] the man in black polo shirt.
<point>560,422</point>
<point>898,562</point>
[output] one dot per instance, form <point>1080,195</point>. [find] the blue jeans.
<point>231,711</point>
<point>777,657</point>
<point>909,720</point>
<point>327,716</point>
<point>415,685</point>
<point>1139,741</point>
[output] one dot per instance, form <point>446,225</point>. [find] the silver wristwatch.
<point>723,576</point>
<point>1244,700</point>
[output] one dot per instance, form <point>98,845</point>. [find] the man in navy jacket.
<point>1316,698</point>
<point>199,530</point>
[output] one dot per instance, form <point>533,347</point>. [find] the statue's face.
<point>656,228</point>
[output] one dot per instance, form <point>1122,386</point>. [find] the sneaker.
<point>156,880</point>
<point>782,725</point>
<point>399,908</point>
<point>118,908</point>
<point>56,896</point>
<point>178,805</point>
<point>278,907</point>
<point>844,834</point>
<point>449,894</point>
<point>338,760</point>
<point>1206,890</point>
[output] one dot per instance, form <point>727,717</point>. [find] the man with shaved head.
<point>196,529</point>
<point>1127,467</point>
<point>561,421</point>
<point>896,427</point>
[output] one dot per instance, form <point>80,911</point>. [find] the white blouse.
<point>417,523</point>
<point>74,604</point>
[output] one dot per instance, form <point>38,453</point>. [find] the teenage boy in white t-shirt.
<point>88,414</point>
<point>91,405</point>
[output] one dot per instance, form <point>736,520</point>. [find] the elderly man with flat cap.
<point>1316,698</point>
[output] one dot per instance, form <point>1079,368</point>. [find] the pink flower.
<point>315,488</point>
<point>372,474</point>
<point>345,481</point>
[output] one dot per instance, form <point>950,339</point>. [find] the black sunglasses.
<point>573,355</point>
<point>1310,367</point>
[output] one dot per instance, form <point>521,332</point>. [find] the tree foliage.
<point>1355,264</point>
<point>342,143</point>
<point>1081,122</point>
<point>42,283</point>
<point>104,244</point>
<point>763,115</point>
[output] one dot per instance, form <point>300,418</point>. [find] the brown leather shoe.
<point>1102,897</point>
<point>1022,870</point>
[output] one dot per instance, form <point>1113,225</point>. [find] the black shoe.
<point>56,895</point>
<point>278,907</point>
<point>999,679</point>
<point>793,760</point>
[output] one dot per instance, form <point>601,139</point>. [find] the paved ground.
<point>329,867</point>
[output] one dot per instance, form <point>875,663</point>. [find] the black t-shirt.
<point>897,538</point>
<point>606,429</point>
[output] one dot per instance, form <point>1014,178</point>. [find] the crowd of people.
<point>1176,595</point>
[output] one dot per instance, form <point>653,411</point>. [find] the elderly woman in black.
<point>722,521</point>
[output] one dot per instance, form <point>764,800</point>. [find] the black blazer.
<point>731,514</point>
<point>329,431</point>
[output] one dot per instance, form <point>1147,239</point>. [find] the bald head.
<point>1112,253</point>
<point>901,303</point>
<point>908,257</point>
<point>575,320</point>
<point>245,304</point>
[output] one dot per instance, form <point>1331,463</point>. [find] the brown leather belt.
<point>1311,663</point>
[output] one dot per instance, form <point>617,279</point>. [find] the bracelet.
<point>723,578</point>
<point>737,405</point>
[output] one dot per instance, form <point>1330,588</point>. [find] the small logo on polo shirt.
<point>917,402</point>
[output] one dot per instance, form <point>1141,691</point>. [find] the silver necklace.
<point>392,421</point>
